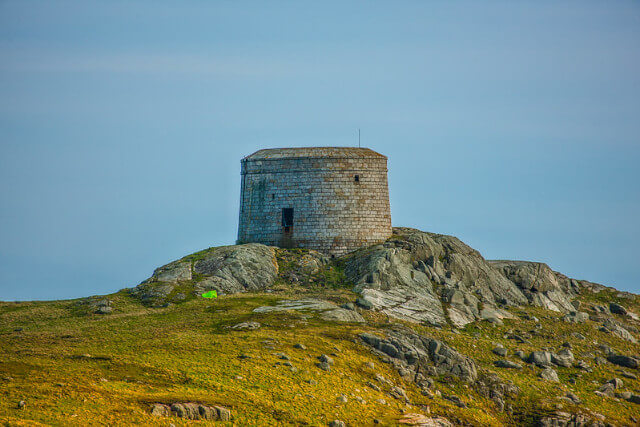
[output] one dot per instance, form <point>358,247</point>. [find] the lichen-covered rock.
<point>174,272</point>
<point>191,411</point>
<point>97,305</point>
<point>414,353</point>
<point>540,358</point>
<point>342,315</point>
<point>238,268</point>
<point>576,317</point>
<point>563,358</point>
<point>617,329</point>
<point>225,269</point>
<point>249,326</point>
<point>301,305</point>
<point>504,363</point>
<point>617,309</point>
<point>542,286</point>
<point>399,276</point>
<point>624,361</point>
<point>550,375</point>
<point>565,419</point>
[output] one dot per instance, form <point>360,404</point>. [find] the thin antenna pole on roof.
<point>358,137</point>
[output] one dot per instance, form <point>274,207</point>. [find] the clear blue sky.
<point>512,125</point>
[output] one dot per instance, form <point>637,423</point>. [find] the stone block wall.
<point>333,211</point>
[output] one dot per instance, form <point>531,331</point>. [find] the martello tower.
<point>331,199</point>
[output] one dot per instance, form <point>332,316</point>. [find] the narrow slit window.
<point>287,217</point>
<point>356,178</point>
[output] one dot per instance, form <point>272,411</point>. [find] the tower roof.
<point>314,152</point>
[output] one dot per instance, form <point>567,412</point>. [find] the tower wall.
<point>340,199</point>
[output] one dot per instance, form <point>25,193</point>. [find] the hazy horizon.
<point>513,126</point>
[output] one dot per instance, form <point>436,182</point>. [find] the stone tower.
<point>331,199</point>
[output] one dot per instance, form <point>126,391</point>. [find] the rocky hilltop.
<point>419,330</point>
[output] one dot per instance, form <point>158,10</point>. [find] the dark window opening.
<point>356,178</point>
<point>287,217</point>
<point>333,255</point>
<point>273,196</point>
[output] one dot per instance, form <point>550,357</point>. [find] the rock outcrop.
<point>416,356</point>
<point>191,411</point>
<point>426,277</point>
<point>225,269</point>
<point>414,276</point>
<point>433,278</point>
<point>542,286</point>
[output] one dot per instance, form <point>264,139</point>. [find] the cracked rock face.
<point>330,311</point>
<point>542,286</point>
<point>225,269</point>
<point>239,268</point>
<point>412,274</point>
<point>417,356</point>
<point>437,279</point>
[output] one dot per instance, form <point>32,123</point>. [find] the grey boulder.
<point>550,375</point>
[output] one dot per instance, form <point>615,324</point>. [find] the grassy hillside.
<point>73,367</point>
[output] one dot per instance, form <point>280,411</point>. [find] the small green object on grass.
<point>210,294</point>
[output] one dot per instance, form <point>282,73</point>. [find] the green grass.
<point>186,352</point>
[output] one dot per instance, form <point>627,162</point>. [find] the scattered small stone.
<point>600,360</point>
<point>563,358</point>
<point>456,400</point>
<point>342,398</point>
<point>583,365</point>
<point>349,306</point>
<point>300,346</point>
<point>504,363</point>
<point>617,309</point>
<point>423,420</point>
<point>578,335</point>
<point>324,366</point>
<point>616,382</point>
<point>607,389</point>
<point>628,374</point>
<point>364,303</point>
<point>104,310</point>
<point>500,351</point>
<point>283,356</point>
<point>540,358</point>
<point>520,354</point>
<point>573,398</point>
<point>244,356</point>
<point>160,410</point>
<point>550,375</point>
<point>373,386</point>
<point>337,423</point>
<point>576,317</point>
<point>567,344</point>
<point>398,393</point>
<point>634,398</point>
<point>249,326</point>
<point>624,361</point>
<point>312,382</point>
<point>381,401</point>
<point>22,404</point>
<point>325,359</point>
<point>192,411</point>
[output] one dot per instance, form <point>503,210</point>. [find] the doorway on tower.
<point>286,239</point>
